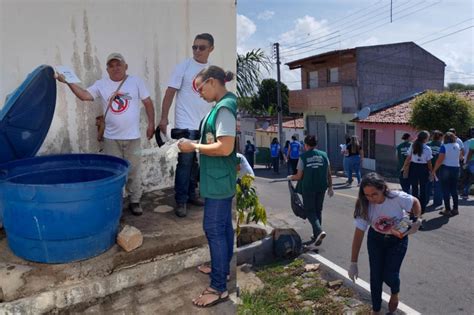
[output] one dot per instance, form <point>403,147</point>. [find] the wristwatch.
<point>197,148</point>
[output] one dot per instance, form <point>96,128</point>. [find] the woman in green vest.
<point>218,177</point>
<point>314,176</point>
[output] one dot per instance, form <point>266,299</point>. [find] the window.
<point>368,143</point>
<point>334,75</point>
<point>312,79</point>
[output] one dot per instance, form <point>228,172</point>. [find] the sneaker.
<point>196,202</point>
<point>454,212</point>
<point>320,238</point>
<point>135,208</point>
<point>446,212</point>
<point>180,210</point>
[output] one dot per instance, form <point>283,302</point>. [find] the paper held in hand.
<point>68,73</point>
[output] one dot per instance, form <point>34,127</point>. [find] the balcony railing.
<point>338,98</point>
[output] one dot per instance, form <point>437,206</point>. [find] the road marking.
<point>403,307</point>
<point>338,193</point>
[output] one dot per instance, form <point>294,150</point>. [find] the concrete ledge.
<point>88,290</point>
<point>256,253</point>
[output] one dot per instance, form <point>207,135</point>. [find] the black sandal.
<point>220,298</point>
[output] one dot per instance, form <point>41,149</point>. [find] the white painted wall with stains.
<point>153,36</point>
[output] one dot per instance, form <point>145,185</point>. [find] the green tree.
<point>249,71</point>
<point>442,111</point>
<point>266,100</point>
<point>455,86</point>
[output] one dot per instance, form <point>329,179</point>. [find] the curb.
<point>67,296</point>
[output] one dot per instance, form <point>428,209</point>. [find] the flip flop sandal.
<point>200,268</point>
<point>220,298</point>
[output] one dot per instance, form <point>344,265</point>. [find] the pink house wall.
<point>385,133</point>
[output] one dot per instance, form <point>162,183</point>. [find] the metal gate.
<point>336,136</point>
<point>317,126</point>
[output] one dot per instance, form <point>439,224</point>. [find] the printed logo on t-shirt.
<point>384,224</point>
<point>120,103</point>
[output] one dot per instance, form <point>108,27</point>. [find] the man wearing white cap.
<point>120,95</point>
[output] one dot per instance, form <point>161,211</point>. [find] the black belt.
<point>190,134</point>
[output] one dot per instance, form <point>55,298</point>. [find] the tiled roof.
<point>400,113</point>
<point>290,124</point>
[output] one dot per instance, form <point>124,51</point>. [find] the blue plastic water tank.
<point>62,208</point>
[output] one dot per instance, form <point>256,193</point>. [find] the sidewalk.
<point>172,248</point>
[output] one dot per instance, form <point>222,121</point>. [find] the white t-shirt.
<point>425,156</point>
<point>382,217</point>
<point>123,118</point>
<point>190,107</point>
<point>451,151</point>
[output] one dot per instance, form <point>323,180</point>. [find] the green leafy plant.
<point>249,208</point>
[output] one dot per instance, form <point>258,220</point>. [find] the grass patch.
<point>345,292</point>
<point>313,293</point>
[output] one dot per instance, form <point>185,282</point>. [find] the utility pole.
<point>276,48</point>
<point>391,8</point>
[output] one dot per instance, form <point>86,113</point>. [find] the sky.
<point>309,27</point>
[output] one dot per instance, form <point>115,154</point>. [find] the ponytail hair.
<point>420,140</point>
<point>217,73</point>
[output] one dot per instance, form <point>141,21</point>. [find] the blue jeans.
<point>449,180</point>
<point>313,206</point>
<point>418,176</point>
<point>217,224</point>
<point>434,188</point>
<point>386,253</point>
<point>185,181</point>
<point>353,163</point>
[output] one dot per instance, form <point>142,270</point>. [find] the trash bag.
<point>296,203</point>
<point>286,243</point>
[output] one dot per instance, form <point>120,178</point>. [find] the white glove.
<point>289,177</point>
<point>353,271</point>
<point>330,192</point>
<point>415,227</point>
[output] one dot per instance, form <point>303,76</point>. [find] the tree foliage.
<point>442,111</point>
<point>249,71</point>
<point>266,100</point>
<point>454,86</point>
<point>249,208</point>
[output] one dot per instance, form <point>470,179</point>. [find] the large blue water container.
<point>58,208</point>
<point>62,208</point>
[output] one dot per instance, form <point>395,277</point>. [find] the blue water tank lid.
<point>27,114</point>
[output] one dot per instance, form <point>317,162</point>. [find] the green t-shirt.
<point>435,146</point>
<point>402,150</point>
<point>471,147</point>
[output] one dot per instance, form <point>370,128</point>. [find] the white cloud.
<point>266,15</point>
<point>245,28</point>
<point>305,29</point>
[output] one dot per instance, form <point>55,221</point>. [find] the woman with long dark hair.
<point>382,211</point>
<point>218,176</point>
<point>417,167</point>
<point>275,151</point>
<point>354,156</point>
<point>448,163</point>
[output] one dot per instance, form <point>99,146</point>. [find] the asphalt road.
<point>437,275</point>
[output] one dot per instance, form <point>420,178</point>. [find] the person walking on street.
<point>402,150</point>
<point>294,154</point>
<point>286,149</point>
<point>355,156</point>
<point>434,186</point>
<point>417,167</point>
<point>218,177</point>
<point>189,112</point>
<point>380,210</point>
<point>448,163</point>
<point>275,150</point>
<point>120,95</point>
<point>314,178</point>
<point>250,153</point>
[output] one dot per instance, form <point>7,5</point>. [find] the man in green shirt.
<point>402,150</point>
<point>314,178</point>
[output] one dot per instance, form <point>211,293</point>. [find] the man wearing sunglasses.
<point>190,110</point>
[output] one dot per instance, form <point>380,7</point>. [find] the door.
<point>317,126</point>
<point>336,136</point>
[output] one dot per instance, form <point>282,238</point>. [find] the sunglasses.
<point>198,89</point>
<point>199,47</point>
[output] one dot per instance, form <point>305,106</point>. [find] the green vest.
<point>218,174</point>
<point>402,150</point>
<point>315,172</point>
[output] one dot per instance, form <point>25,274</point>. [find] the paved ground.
<point>438,270</point>
<point>166,238</point>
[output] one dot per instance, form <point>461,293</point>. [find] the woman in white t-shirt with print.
<point>418,166</point>
<point>448,159</point>
<point>380,210</point>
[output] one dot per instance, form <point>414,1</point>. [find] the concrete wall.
<point>153,36</point>
<point>389,71</point>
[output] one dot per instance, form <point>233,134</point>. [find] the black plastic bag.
<point>296,203</point>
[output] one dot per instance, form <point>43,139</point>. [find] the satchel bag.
<point>100,120</point>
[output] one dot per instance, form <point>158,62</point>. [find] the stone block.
<point>130,238</point>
